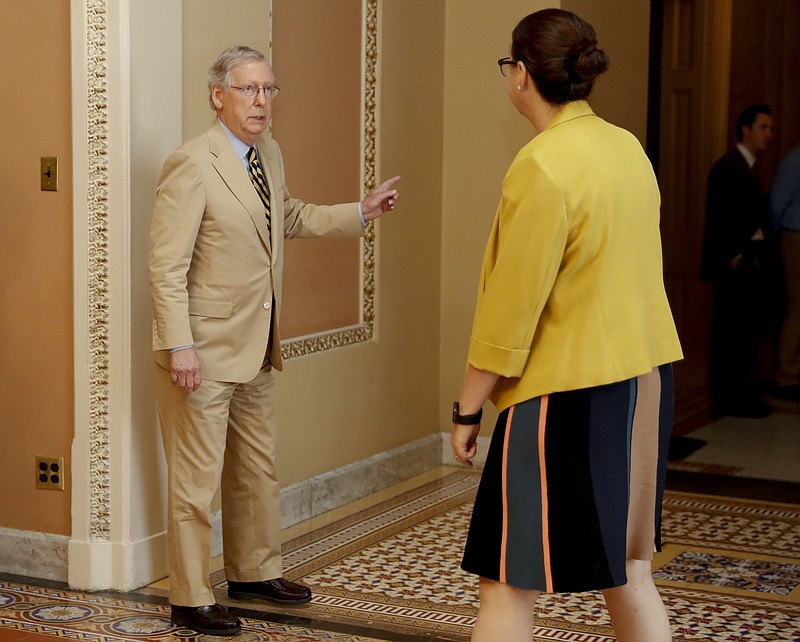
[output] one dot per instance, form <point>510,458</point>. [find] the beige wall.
<point>348,404</point>
<point>36,393</point>
<point>206,31</point>
<point>621,93</point>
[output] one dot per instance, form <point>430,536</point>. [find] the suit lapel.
<point>230,169</point>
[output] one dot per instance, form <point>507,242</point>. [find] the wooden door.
<point>694,64</point>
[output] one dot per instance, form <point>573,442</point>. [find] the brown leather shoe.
<point>278,591</point>
<point>211,619</point>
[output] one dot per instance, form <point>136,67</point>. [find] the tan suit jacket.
<point>214,269</point>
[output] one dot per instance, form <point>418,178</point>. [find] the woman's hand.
<point>478,384</point>
<point>464,442</point>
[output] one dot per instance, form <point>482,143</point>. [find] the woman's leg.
<point>506,613</point>
<point>637,612</point>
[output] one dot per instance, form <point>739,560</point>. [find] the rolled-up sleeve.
<point>520,265</point>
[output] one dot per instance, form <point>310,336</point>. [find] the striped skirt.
<point>572,487</point>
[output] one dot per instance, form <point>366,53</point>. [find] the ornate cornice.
<point>364,331</point>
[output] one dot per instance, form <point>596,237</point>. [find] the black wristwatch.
<point>466,420</point>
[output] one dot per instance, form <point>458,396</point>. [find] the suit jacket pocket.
<point>210,308</point>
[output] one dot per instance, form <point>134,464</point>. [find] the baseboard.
<point>119,566</point>
<point>343,485</point>
<point>34,554</point>
<point>105,565</point>
<point>83,565</point>
<point>312,497</point>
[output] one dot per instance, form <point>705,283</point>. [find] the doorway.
<point>709,59</point>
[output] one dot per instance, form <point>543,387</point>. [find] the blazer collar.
<point>570,111</point>
<point>230,169</point>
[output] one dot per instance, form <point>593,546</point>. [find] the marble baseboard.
<point>338,487</point>
<point>46,556</point>
<point>34,554</point>
<point>312,497</point>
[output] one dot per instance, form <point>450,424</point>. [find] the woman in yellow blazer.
<point>572,341</point>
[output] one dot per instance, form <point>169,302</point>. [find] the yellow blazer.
<point>571,291</point>
<point>214,273</point>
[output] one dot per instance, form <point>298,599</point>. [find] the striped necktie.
<point>259,181</point>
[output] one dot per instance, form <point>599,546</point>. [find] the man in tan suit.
<point>216,257</point>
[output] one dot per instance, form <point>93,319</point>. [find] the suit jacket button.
<point>266,306</point>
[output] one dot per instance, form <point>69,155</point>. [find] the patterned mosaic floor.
<point>730,571</point>
<point>36,614</point>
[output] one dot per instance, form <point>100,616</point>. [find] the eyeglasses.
<point>503,62</point>
<point>251,91</point>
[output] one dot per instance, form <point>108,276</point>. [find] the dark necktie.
<point>259,181</point>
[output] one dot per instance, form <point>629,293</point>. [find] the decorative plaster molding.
<point>98,261</point>
<point>364,331</point>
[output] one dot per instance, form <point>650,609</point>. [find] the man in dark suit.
<point>221,214</point>
<point>736,260</point>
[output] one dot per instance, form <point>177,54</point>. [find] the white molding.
<point>121,566</point>
<point>112,545</point>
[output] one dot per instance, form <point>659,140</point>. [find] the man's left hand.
<point>382,199</point>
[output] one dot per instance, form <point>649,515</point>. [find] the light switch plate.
<point>49,174</point>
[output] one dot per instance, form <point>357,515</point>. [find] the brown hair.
<point>559,50</point>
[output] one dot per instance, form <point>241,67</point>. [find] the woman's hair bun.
<point>590,62</point>
<point>559,50</point>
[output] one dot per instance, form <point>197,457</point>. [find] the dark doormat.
<point>682,447</point>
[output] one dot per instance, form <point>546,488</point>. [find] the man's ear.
<point>216,96</point>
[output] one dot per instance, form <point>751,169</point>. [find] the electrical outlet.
<point>50,472</point>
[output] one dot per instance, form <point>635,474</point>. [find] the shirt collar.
<point>240,147</point>
<point>748,155</point>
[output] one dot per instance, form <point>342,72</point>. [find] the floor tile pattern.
<point>732,524</point>
<point>729,572</point>
<point>70,615</point>
<point>402,573</point>
<point>762,576</point>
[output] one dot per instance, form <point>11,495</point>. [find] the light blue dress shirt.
<point>784,203</point>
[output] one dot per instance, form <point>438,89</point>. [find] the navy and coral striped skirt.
<point>572,486</point>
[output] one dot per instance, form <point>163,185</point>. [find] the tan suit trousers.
<point>221,436</point>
